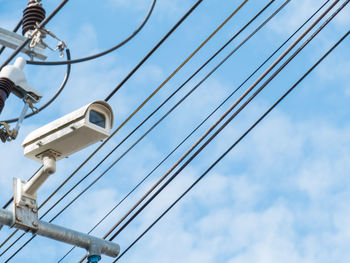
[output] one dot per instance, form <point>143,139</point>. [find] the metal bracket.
<point>25,208</point>
<point>8,134</point>
<point>39,34</point>
<point>14,40</point>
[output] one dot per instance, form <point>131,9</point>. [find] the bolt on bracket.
<point>25,208</point>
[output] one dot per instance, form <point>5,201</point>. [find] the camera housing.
<point>70,133</point>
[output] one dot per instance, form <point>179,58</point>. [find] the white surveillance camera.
<point>70,133</point>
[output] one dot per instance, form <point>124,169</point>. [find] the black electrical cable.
<point>147,132</point>
<point>132,72</point>
<point>53,98</point>
<point>206,118</point>
<point>41,25</point>
<point>232,117</point>
<point>14,30</point>
<point>182,19</point>
<point>145,178</point>
<point>235,144</point>
<point>122,43</point>
<point>178,103</point>
<point>266,72</point>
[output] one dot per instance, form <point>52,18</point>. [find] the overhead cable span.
<point>193,131</point>
<point>174,107</point>
<point>211,129</point>
<point>233,146</point>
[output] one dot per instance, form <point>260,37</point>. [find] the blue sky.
<point>281,195</point>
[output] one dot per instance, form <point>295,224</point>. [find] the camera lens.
<point>6,86</point>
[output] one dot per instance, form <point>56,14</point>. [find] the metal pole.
<point>95,246</point>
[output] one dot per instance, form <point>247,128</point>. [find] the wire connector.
<point>39,34</point>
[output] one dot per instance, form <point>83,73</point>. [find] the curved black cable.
<point>53,98</point>
<point>182,85</point>
<point>181,20</point>
<point>283,5</point>
<point>161,188</point>
<point>14,30</point>
<point>210,115</point>
<point>234,145</point>
<point>234,105</point>
<point>122,43</point>
<point>149,130</point>
<point>283,65</point>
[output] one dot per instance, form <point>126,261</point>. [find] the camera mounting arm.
<point>48,144</point>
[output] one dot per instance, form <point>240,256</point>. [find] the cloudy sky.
<point>281,195</point>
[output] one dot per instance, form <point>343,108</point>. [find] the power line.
<point>226,114</point>
<point>234,145</point>
<point>178,103</point>
<point>199,48</point>
<point>119,158</point>
<point>122,43</point>
<point>132,72</point>
<point>206,118</point>
<point>182,19</point>
<point>54,97</point>
<point>232,107</point>
<point>158,88</point>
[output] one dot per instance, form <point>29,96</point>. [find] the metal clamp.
<point>8,134</point>
<point>25,208</point>
<point>39,34</point>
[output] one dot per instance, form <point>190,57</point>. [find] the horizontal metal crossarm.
<point>14,40</point>
<point>94,245</point>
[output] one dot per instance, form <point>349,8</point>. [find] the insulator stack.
<point>33,14</point>
<point>6,87</point>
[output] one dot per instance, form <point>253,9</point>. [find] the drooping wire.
<point>162,187</point>
<point>303,47</point>
<point>204,120</point>
<point>119,158</point>
<point>234,145</point>
<point>54,97</point>
<point>165,115</point>
<point>122,43</point>
<point>177,104</point>
<point>181,20</point>
<point>196,51</point>
<point>178,23</point>
<point>233,13</point>
<point>14,30</point>
<point>41,25</point>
